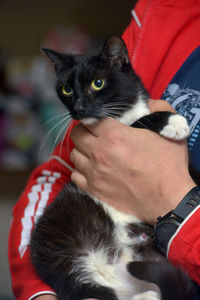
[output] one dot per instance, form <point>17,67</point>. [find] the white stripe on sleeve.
<point>38,197</point>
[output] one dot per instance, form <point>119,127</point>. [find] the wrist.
<point>175,191</point>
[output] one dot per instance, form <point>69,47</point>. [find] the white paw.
<point>150,295</point>
<point>177,128</point>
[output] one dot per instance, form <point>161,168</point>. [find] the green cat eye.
<point>67,90</point>
<point>97,84</point>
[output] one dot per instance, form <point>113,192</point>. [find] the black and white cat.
<point>87,249</point>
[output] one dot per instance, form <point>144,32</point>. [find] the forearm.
<point>140,173</point>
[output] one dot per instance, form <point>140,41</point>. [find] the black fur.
<point>74,223</point>
<point>166,277</point>
<point>70,226</point>
<point>121,82</point>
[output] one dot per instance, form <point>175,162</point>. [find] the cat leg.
<point>168,124</point>
<point>85,292</point>
<point>172,282</point>
<point>149,295</point>
<point>177,128</point>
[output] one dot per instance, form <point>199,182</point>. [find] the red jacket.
<point>161,35</point>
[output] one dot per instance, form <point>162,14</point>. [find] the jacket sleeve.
<point>44,184</point>
<point>156,72</point>
<point>184,246</point>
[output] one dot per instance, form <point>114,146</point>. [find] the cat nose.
<point>78,106</point>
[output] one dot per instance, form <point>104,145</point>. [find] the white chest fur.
<point>138,110</point>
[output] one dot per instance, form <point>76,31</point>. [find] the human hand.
<point>134,170</point>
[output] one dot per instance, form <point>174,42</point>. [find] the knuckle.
<point>79,180</point>
<point>75,156</point>
<point>74,176</point>
<point>72,155</point>
<point>114,138</point>
<point>98,157</point>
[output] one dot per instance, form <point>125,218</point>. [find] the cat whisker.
<point>105,115</point>
<point>51,130</point>
<point>147,120</point>
<point>54,118</point>
<point>112,114</point>
<point>66,137</point>
<point>62,129</point>
<point>118,105</point>
<point>143,125</point>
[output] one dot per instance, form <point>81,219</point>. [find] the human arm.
<point>116,162</point>
<point>42,187</point>
<point>148,172</point>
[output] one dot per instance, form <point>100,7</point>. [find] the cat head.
<point>96,85</point>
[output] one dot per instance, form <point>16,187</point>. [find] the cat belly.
<point>86,249</point>
<point>89,244</point>
<point>96,269</point>
<point>107,267</point>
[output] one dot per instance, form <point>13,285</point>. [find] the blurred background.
<point>27,98</point>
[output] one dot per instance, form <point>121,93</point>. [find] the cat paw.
<point>176,129</point>
<point>150,295</point>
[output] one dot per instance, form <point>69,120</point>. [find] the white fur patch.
<point>149,295</point>
<point>98,267</point>
<point>121,221</point>
<point>138,110</point>
<point>95,268</point>
<point>177,128</point>
<point>118,217</point>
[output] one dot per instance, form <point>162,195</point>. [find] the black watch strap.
<point>167,225</point>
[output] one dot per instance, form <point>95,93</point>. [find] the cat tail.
<point>172,281</point>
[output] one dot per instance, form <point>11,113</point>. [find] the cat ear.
<point>115,50</point>
<point>54,56</point>
<point>59,60</point>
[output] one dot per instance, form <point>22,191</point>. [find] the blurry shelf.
<point>12,183</point>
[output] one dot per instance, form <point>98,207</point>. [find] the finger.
<point>160,105</point>
<point>82,138</point>
<point>80,180</point>
<point>80,161</point>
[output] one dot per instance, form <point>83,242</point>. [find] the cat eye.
<point>67,90</point>
<point>97,84</point>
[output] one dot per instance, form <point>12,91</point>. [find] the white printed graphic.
<point>38,196</point>
<point>185,101</point>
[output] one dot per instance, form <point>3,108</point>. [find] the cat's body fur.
<point>84,248</point>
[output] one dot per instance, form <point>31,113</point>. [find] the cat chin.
<point>89,121</point>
